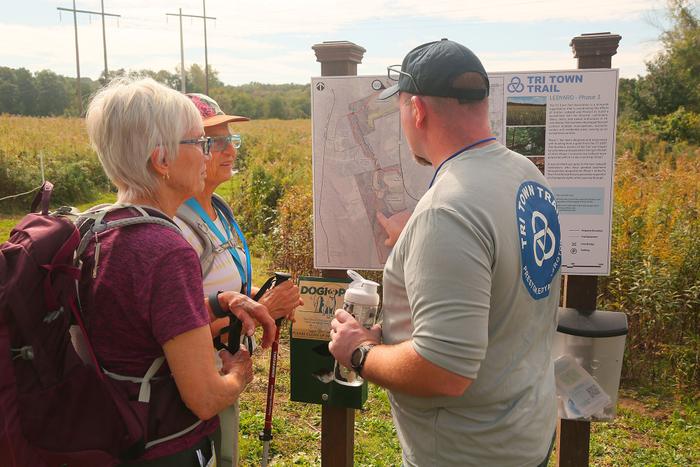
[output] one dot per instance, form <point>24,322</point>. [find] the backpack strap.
<point>150,444</point>
<point>221,206</point>
<point>145,396</point>
<point>145,381</point>
<point>190,218</point>
<point>193,215</point>
<point>92,222</point>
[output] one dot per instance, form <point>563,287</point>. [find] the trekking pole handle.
<point>236,326</point>
<point>43,197</point>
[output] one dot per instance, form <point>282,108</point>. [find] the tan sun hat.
<point>210,111</point>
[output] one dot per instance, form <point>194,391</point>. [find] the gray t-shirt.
<point>474,280</point>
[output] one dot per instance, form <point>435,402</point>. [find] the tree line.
<point>666,98</point>
<point>45,93</point>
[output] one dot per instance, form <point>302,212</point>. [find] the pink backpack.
<point>55,407</point>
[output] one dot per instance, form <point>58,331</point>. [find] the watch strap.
<point>364,350</point>
<point>216,308</point>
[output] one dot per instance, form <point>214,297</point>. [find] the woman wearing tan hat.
<point>209,225</point>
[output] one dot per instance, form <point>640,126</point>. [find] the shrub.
<point>655,276</point>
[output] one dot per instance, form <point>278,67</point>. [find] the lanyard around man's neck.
<point>465,148</point>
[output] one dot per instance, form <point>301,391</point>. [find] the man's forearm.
<point>400,368</point>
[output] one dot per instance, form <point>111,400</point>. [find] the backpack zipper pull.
<point>97,256</point>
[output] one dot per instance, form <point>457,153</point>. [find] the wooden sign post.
<point>580,292</point>
<point>338,58</point>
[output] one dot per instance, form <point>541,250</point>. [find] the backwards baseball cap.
<point>210,111</point>
<point>432,69</point>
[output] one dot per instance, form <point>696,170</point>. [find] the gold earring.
<point>166,176</point>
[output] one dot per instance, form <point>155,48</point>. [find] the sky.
<point>270,41</point>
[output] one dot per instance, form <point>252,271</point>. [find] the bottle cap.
<point>359,282</point>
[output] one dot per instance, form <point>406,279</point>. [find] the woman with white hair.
<point>141,285</point>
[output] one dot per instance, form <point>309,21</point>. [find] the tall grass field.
<point>655,279</point>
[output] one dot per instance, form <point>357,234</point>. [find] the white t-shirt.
<point>474,281</point>
<point>224,274</point>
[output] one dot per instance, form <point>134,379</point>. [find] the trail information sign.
<point>563,121</point>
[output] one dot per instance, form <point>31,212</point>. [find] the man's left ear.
<point>419,111</point>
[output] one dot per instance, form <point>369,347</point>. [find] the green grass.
<point>650,429</point>
<point>297,426</point>
<point>6,225</point>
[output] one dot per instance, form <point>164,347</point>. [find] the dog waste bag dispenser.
<point>588,349</point>
<point>311,372</point>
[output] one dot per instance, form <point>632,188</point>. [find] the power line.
<point>75,12</point>
<point>204,17</point>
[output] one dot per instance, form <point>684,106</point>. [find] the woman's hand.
<point>240,365</point>
<point>282,300</point>
<point>249,311</point>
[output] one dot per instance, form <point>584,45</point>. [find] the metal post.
<point>593,50</point>
<point>338,58</point>
<point>183,75</point>
<point>77,60</point>
<point>182,50</point>
<point>77,55</point>
<point>104,36</point>
<point>206,59</point>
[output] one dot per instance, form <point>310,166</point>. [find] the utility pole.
<point>206,61</point>
<point>104,36</point>
<point>183,75</point>
<point>182,52</point>
<point>77,54</point>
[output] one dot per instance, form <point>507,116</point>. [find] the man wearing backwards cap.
<point>471,286</point>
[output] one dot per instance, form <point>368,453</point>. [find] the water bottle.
<point>362,302</point>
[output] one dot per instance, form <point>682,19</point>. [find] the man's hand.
<point>347,335</point>
<point>240,365</point>
<point>282,300</point>
<point>249,311</point>
<point>393,225</point>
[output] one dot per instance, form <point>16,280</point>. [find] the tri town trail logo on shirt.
<point>540,238</point>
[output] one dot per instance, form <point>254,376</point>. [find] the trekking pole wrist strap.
<point>216,308</point>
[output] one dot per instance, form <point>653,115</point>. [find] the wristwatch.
<point>359,356</point>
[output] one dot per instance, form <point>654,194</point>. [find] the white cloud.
<point>256,18</point>
<point>259,40</point>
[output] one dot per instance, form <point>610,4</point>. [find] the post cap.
<point>338,51</point>
<point>595,44</point>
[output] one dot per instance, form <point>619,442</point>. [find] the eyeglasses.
<point>220,143</point>
<point>394,73</point>
<point>204,143</point>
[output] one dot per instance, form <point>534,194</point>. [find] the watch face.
<point>356,357</point>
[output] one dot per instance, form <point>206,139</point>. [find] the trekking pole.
<point>266,435</point>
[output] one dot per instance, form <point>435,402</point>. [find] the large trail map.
<point>362,166</point>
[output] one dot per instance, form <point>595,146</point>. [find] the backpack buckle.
<point>25,353</point>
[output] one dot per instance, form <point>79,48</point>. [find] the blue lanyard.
<point>466,148</point>
<point>225,221</point>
